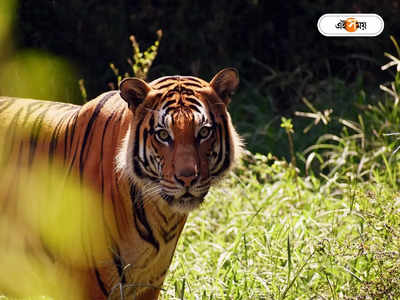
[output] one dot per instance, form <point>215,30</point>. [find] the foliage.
<point>141,61</point>
<point>365,145</point>
<point>288,126</point>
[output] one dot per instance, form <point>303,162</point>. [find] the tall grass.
<point>367,144</point>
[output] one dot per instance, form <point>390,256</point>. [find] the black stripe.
<point>135,163</point>
<point>72,119</point>
<point>57,129</point>
<point>180,101</point>
<point>192,84</point>
<point>178,88</point>
<point>104,132</point>
<point>92,119</point>
<point>34,135</point>
<point>100,282</point>
<point>164,217</point>
<point>54,140</point>
<point>115,207</point>
<point>194,101</point>
<point>47,250</point>
<point>168,103</point>
<point>155,104</point>
<point>143,169</point>
<point>144,141</point>
<point>35,128</point>
<point>102,151</point>
<point>152,160</point>
<point>220,154</point>
<point>102,175</point>
<point>187,90</point>
<point>139,215</point>
<point>154,146</point>
<point>151,124</point>
<point>13,124</point>
<point>226,154</point>
<point>30,109</point>
<point>66,137</point>
<point>159,87</point>
<point>171,233</point>
<point>113,243</point>
<point>169,109</point>
<point>166,197</point>
<point>75,121</point>
<point>195,108</point>
<point>11,131</point>
<point>68,152</point>
<point>137,169</point>
<point>119,264</point>
<point>212,117</point>
<point>227,160</point>
<point>137,139</point>
<point>7,103</point>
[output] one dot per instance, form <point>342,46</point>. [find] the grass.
<point>287,237</point>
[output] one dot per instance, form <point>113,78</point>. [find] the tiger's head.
<point>181,139</point>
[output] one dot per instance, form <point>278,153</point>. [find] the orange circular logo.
<point>350,24</point>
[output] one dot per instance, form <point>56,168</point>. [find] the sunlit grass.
<point>290,238</point>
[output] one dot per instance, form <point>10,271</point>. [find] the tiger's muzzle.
<point>187,191</point>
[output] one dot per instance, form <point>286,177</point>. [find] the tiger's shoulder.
<point>22,112</point>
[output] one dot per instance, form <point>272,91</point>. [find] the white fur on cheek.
<point>124,156</point>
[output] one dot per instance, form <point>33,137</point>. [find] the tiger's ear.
<point>134,91</point>
<point>225,83</point>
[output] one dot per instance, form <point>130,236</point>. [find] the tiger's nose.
<point>187,176</point>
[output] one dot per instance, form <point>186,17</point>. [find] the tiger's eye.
<point>163,135</point>
<point>204,132</point>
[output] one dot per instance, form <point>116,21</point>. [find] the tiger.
<point>150,150</point>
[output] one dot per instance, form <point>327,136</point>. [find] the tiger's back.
<point>54,129</point>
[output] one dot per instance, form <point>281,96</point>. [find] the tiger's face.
<point>181,139</point>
